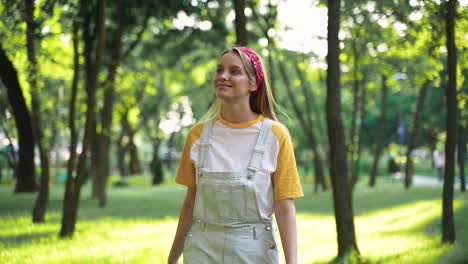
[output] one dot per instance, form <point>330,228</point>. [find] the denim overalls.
<point>227,225</point>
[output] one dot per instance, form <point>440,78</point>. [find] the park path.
<point>425,180</point>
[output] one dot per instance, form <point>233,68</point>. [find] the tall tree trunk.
<point>342,199</point>
<point>69,221</point>
<point>413,134</point>
<point>462,132</point>
<point>353,136</point>
<point>448,222</point>
<point>94,159</point>
<point>24,171</point>
<point>68,213</point>
<point>67,209</point>
<point>306,128</point>
<point>107,109</point>
<point>380,137</point>
<point>134,162</point>
<point>40,208</point>
<point>240,21</point>
<point>156,164</point>
<point>362,117</point>
<point>121,154</point>
<point>122,146</point>
<point>318,167</point>
<point>126,144</point>
<point>170,147</point>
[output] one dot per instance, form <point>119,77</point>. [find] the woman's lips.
<point>223,86</point>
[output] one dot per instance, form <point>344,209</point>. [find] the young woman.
<point>239,167</point>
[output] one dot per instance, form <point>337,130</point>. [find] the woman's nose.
<point>223,74</point>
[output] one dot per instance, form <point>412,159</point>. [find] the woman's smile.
<point>223,86</point>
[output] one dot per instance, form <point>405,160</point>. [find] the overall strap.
<point>204,143</point>
<point>259,148</point>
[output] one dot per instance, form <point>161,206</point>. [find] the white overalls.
<point>227,224</point>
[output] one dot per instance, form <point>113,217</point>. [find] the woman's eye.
<point>219,70</point>
<point>235,71</point>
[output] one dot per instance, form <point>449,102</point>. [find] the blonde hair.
<point>261,101</point>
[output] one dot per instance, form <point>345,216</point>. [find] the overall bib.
<point>227,225</point>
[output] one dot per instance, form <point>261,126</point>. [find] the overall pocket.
<point>224,202</point>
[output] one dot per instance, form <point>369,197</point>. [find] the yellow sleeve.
<point>186,171</point>
<point>286,182</point>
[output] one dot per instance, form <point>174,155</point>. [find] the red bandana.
<point>257,65</point>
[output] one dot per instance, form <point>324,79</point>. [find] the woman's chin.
<point>222,94</point>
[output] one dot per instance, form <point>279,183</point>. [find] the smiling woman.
<point>231,81</point>
<point>239,169</point>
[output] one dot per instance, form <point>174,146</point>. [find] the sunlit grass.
<point>393,225</point>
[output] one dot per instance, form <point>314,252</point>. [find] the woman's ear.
<point>252,88</point>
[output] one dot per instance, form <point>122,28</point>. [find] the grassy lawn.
<point>393,225</point>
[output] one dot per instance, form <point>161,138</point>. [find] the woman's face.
<point>231,81</point>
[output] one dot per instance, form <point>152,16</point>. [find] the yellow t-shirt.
<point>231,147</point>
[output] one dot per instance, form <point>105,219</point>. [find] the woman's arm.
<point>285,214</point>
<point>183,227</point>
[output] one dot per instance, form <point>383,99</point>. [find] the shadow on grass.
<point>24,238</point>
<point>123,202</point>
<point>457,253</point>
<point>366,200</point>
<point>164,201</point>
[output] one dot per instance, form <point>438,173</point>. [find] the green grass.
<point>393,225</point>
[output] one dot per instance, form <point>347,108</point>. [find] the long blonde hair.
<point>261,101</point>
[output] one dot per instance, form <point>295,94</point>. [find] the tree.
<point>72,195</point>
<point>379,139</point>
<point>414,132</point>
<point>461,153</point>
<point>99,178</point>
<point>40,208</point>
<point>342,201</point>
<point>24,171</point>
<point>241,31</point>
<point>448,223</point>
<point>305,122</point>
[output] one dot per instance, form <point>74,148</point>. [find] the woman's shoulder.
<point>280,130</point>
<point>195,132</point>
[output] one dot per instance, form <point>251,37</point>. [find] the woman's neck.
<point>237,113</point>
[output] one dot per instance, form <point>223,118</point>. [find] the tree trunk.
<point>306,128</point>
<point>462,132</point>
<point>318,167</point>
<point>380,137</point>
<point>413,134</point>
<point>353,136</point>
<point>107,109</point>
<point>40,208</point>
<point>241,31</point>
<point>362,117</point>
<point>134,165</point>
<point>156,164</point>
<point>24,171</point>
<point>129,146</point>
<point>122,147</point>
<point>448,222</point>
<point>67,211</point>
<point>70,215</point>
<point>342,199</point>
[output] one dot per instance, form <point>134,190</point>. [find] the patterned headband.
<point>257,65</point>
